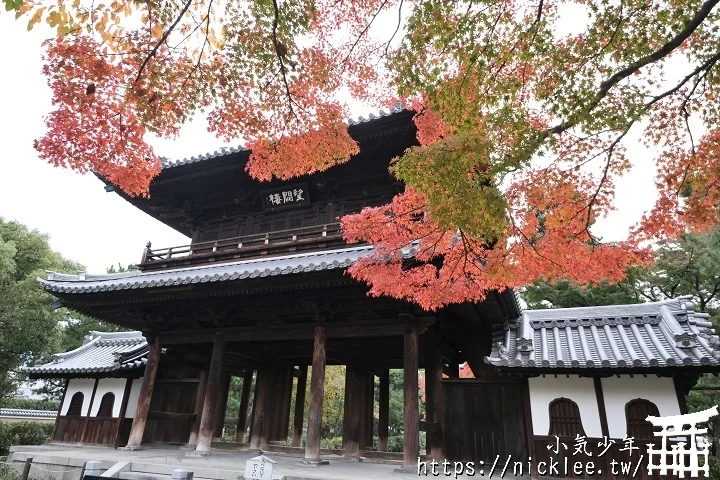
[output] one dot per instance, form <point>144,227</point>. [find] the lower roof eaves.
<point>660,337</point>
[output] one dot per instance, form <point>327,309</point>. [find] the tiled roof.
<point>23,413</point>
<point>100,353</point>
<point>219,272</point>
<point>660,334</point>
<point>168,163</point>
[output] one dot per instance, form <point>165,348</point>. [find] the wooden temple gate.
<point>261,291</point>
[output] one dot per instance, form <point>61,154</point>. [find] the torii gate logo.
<point>678,459</point>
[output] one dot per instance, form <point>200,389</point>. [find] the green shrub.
<point>7,472</point>
<point>29,404</point>
<point>332,442</point>
<point>23,433</point>
<point>714,468</point>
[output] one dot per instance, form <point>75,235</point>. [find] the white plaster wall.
<point>84,385</point>
<point>133,399</point>
<point>112,385</point>
<point>619,391</point>
<point>544,390</point>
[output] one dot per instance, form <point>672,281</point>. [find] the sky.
<point>100,229</point>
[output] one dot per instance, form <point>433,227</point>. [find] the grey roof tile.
<point>239,270</point>
<point>101,352</point>
<point>224,151</point>
<point>24,413</point>
<point>660,334</point>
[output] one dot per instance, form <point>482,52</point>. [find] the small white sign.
<point>259,468</point>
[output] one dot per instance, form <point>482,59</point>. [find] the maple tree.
<point>523,127</point>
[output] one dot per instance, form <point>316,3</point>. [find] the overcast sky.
<point>99,229</point>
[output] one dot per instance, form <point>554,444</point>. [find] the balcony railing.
<point>244,246</point>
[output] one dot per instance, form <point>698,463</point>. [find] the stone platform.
<point>64,462</point>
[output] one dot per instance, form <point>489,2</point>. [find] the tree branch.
<point>617,77</point>
<point>163,39</point>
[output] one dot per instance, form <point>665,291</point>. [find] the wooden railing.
<point>244,245</point>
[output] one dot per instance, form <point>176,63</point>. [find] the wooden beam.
<point>527,414</point>
<point>146,390</point>
<point>384,411</point>
<point>62,401</point>
<point>222,405</point>
<point>87,417</point>
<point>207,423</point>
<point>172,416</point>
<point>123,410</point>
<point>317,391</point>
<point>269,333</point>
<point>244,404</point>
<point>600,398</point>
<point>411,434</point>
<point>199,402</point>
<point>299,418</point>
<point>680,392</point>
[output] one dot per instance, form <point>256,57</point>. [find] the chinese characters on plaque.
<point>286,196</point>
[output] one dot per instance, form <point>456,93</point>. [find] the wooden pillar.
<point>279,394</point>
<point>199,402</point>
<point>146,390</point>
<point>274,403</point>
<point>123,409</point>
<point>207,423</point>
<point>244,403</point>
<point>258,432</point>
<point>351,420</point>
<point>287,401</point>
<point>411,446</point>
<point>222,405</point>
<point>369,406</point>
<point>299,418</point>
<point>317,391</point>
<point>435,405</point>
<point>384,411</point>
<point>366,383</point>
<point>87,416</point>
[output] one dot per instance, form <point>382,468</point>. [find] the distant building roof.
<point>168,163</point>
<point>110,354</point>
<point>660,334</point>
<point>219,272</point>
<point>24,413</point>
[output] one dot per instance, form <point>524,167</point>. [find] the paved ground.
<point>220,465</point>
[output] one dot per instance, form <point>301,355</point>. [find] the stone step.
<point>156,471</point>
<point>142,476</point>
